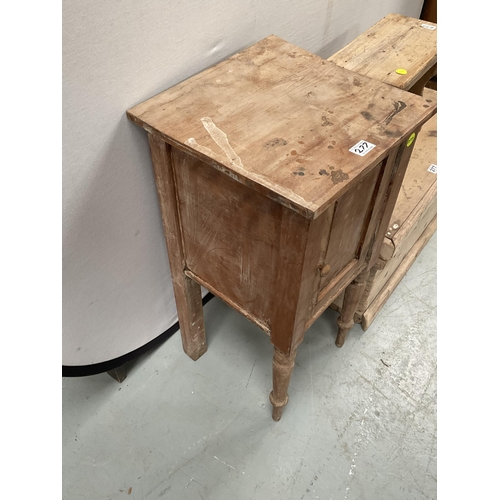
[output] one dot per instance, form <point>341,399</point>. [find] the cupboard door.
<point>351,217</point>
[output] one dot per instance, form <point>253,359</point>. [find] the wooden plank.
<point>395,42</point>
<point>276,117</point>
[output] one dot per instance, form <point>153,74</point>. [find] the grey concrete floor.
<point>360,423</point>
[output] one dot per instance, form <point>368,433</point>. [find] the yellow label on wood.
<point>401,71</point>
<point>410,140</point>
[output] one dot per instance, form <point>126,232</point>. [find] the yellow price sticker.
<point>410,140</point>
<point>401,71</point>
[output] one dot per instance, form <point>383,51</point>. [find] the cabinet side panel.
<point>352,214</point>
<point>230,234</point>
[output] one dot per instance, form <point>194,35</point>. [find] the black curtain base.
<point>112,364</point>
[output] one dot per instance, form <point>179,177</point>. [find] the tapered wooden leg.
<point>190,311</point>
<point>186,291</point>
<point>352,296</point>
<point>282,372</point>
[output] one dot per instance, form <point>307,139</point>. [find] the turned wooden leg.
<point>352,296</point>
<point>282,372</point>
<point>186,291</point>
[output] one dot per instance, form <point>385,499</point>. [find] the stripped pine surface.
<point>396,42</point>
<point>282,121</point>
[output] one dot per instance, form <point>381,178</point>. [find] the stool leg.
<point>282,372</point>
<point>352,296</point>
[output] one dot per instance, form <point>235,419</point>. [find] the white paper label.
<point>428,27</point>
<point>361,148</point>
<point>433,168</point>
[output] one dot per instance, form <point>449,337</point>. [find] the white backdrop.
<point>117,292</point>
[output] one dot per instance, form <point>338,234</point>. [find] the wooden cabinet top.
<point>395,42</point>
<point>282,121</point>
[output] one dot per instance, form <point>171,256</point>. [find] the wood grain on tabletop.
<point>282,120</point>
<point>395,42</point>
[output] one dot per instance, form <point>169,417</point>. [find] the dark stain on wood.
<point>330,147</point>
<point>432,133</point>
<point>275,142</point>
<point>293,152</point>
<point>326,122</point>
<point>398,107</point>
<point>338,176</point>
<point>323,172</point>
<point>356,82</point>
<point>366,115</point>
<point>392,133</point>
<point>299,173</point>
